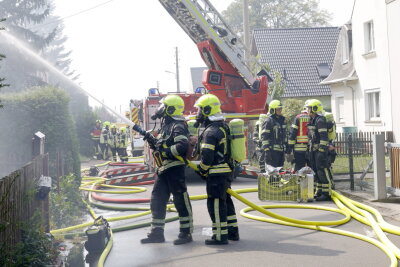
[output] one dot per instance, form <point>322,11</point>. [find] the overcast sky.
<point>123,48</point>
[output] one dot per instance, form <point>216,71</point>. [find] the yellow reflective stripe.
<point>182,219</point>
<point>265,131</point>
<point>223,140</point>
<point>265,142</point>
<point>174,151</point>
<point>189,209</point>
<point>266,149</point>
<point>233,224</point>
<point>184,225</point>
<point>217,219</point>
<point>180,137</point>
<point>300,148</point>
<point>220,170</point>
<point>291,142</point>
<point>232,217</point>
<point>204,166</point>
<point>295,126</point>
<point>168,164</point>
<point>212,147</point>
<point>158,221</point>
<point>322,130</point>
<point>323,142</point>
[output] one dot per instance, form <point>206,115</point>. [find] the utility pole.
<point>246,28</point>
<point>177,70</point>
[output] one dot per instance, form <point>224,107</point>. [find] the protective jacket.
<point>273,134</point>
<point>298,134</point>
<point>113,139</point>
<point>317,134</point>
<point>95,133</point>
<point>104,135</point>
<point>214,149</point>
<point>172,141</point>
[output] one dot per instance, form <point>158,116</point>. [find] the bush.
<point>66,206</point>
<point>45,110</point>
<point>291,107</point>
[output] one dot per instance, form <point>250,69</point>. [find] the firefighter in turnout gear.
<point>113,141</point>
<point>172,141</point>
<point>215,166</point>
<point>95,134</point>
<point>257,139</point>
<point>104,140</point>
<point>123,144</point>
<point>298,140</point>
<point>273,136</point>
<point>318,150</point>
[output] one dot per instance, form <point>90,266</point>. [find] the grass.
<point>360,163</point>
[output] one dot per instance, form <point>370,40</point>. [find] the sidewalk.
<point>389,208</point>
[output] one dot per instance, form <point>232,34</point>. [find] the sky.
<point>122,47</point>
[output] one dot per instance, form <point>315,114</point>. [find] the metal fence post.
<point>379,166</point>
<point>351,164</point>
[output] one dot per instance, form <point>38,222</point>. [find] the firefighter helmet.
<point>106,123</point>
<point>275,104</point>
<point>174,105</point>
<point>122,129</point>
<point>209,104</point>
<point>314,105</point>
<point>113,126</point>
<point>98,121</point>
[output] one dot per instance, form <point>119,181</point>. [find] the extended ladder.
<point>201,21</point>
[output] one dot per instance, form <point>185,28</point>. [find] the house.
<point>363,80</point>
<point>303,56</point>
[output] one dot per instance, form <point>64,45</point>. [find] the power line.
<point>72,15</point>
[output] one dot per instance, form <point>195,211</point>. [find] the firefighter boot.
<point>183,238</point>
<point>155,236</point>
<point>233,233</point>
<point>323,197</point>
<point>214,241</point>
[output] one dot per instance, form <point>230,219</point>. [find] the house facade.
<point>362,80</point>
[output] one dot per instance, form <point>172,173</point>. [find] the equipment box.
<point>286,187</point>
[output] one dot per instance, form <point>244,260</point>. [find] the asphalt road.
<point>261,244</point>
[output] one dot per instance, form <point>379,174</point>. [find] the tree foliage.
<point>277,14</point>
<point>291,107</point>
<point>40,109</point>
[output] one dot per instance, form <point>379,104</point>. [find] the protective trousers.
<point>96,144</point>
<point>171,181</point>
<point>220,207</point>
<point>123,155</point>
<point>114,153</point>
<point>324,179</point>
<point>275,158</point>
<point>300,160</point>
<point>104,150</point>
<point>261,160</point>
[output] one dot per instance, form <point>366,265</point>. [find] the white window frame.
<point>372,107</point>
<point>339,115</point>
<point>369,37</point>
<point>345,49</point>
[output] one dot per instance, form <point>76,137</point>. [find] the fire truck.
<point>243,94</point>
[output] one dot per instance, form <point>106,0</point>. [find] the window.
<point>340,109</point>
<point>369,36</point>
<point>345,49</point>
<point>373,106</point>
<point>323,70</point>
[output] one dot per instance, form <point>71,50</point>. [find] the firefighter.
<point>95,134</point>
<point>104,140</point>
<point>173,141</point>
<point>273,136</point>
<point>113,141</point>
<point>298,140</point>
<point>123,144</point>
<point>216,168</point>
<point>257,139</point>
<point>318,150</point>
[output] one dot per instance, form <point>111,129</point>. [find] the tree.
<point>277,14</point>
<point>1,58</point>
<point>291,107</point>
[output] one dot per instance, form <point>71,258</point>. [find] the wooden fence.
<point>18,201</point>
<point>361,142</point>
<point>394,152</point>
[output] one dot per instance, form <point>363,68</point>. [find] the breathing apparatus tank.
<point>192,129</point>
<point>238,140</point>
<point>331,126</point>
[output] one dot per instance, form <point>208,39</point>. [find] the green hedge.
<point>40,109</point>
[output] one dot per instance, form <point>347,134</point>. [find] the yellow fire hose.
<point>347,207</point>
